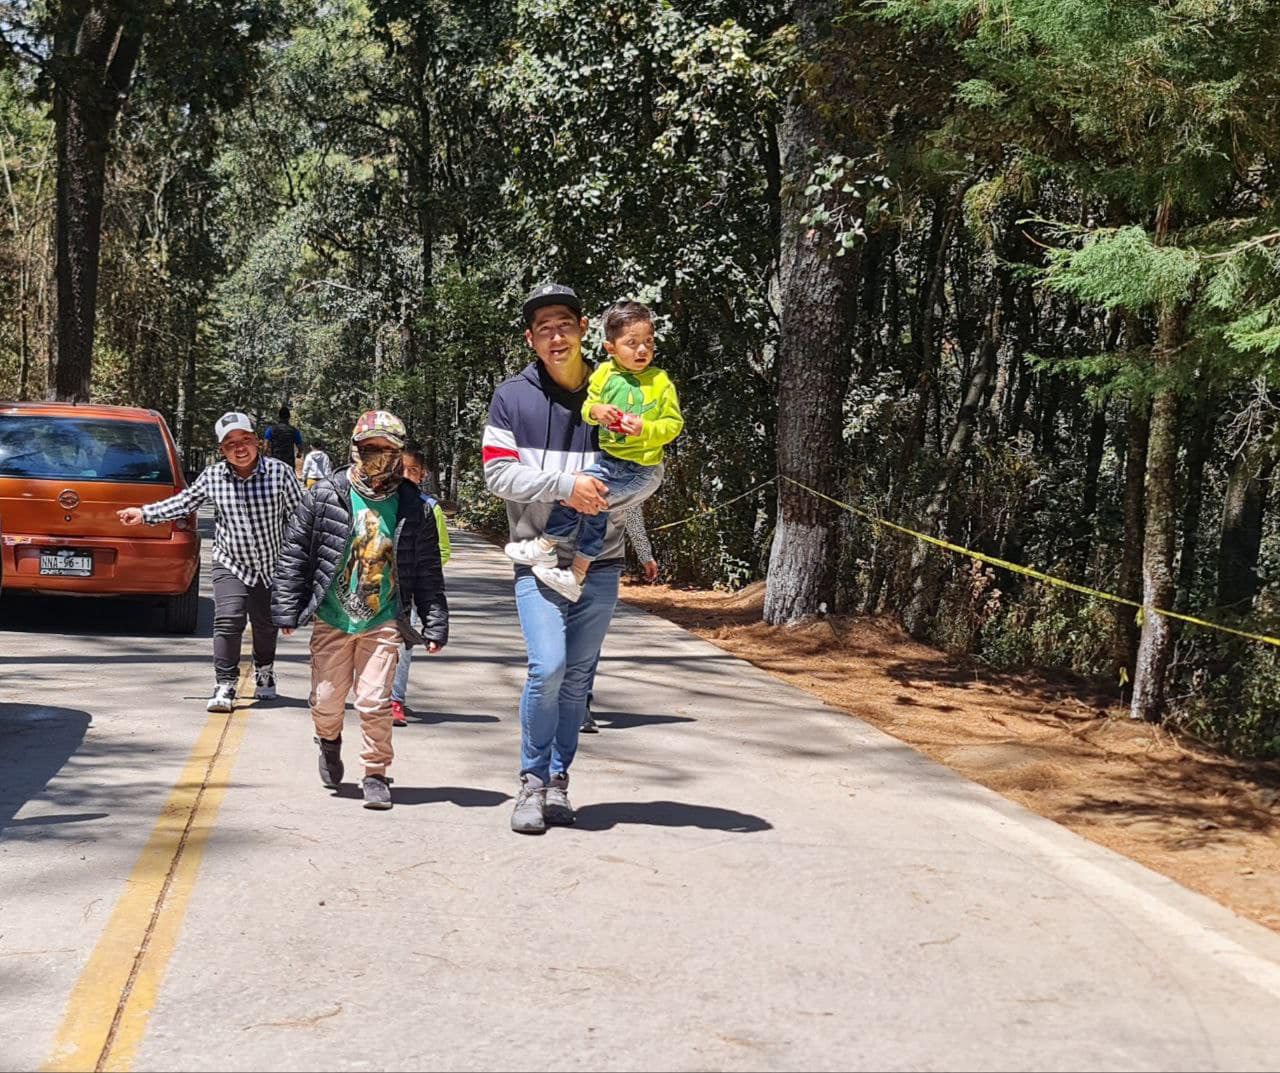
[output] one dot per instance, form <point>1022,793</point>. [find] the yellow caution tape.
<point>1039,575</point>
<point>713,510</point>
<point>991,560</point>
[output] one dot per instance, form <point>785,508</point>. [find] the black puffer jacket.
<point>312,552</point>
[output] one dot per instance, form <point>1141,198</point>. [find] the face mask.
<point>379,468</point>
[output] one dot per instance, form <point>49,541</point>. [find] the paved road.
<point>756,881</point>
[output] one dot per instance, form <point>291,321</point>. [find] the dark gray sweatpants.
<point>234,603</point>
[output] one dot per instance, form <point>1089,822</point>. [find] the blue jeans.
<point>627,481</point>
<point>401,684</point>
<point>563,640</point>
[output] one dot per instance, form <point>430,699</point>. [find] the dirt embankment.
<point>1054,746</point>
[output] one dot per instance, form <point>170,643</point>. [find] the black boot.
<point>331,762</point>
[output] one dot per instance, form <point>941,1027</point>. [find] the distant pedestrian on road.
<point>283,441</point>
<point>536,445</point>
<point>415,468</point>
<point>358,556</point>
<point>316,465</point>
<point>253,499</point>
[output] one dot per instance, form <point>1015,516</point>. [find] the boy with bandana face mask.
<point>358,555</point>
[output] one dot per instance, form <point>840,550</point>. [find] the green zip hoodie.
<point>651,395</point>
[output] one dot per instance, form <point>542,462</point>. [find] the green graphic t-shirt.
<point>365,593</point>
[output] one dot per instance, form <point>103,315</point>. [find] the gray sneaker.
<point>331,768</point>
<point>377,792</point>
<point>528,817</point>
<point>558,812</point>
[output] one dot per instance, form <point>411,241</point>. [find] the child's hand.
<point>631,424</point>
<point>603,414</point>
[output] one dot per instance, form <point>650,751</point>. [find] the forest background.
<point>1007,273</point>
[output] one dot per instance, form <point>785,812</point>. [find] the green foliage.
<point>341,204</point>
<point>1229,695</point>
<point>1124,269</point>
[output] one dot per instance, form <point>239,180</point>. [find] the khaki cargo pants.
<point>363,662</point>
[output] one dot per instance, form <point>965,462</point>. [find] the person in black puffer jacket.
<point>358,554</point>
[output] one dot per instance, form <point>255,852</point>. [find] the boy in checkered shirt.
<point>253,499</point>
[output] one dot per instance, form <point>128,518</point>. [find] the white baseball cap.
<point>232,422</point>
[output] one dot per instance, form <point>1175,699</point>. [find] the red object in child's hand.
<point>617,427</point>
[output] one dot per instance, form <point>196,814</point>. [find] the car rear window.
<point>82,449</point>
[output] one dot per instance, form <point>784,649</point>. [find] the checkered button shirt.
<point>250,514</point>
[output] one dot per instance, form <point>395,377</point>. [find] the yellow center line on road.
<point>106,1015</point>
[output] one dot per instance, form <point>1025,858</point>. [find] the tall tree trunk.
<point>432,443</point>
<point>1155,649</point>
<point>817,333</point>
<point>24,276</point>
<point>924,584</point>
<point>1092,466</point>
<point>924,347</point>
<point>1242,513</point>
<point>1198,452</point>
<point>185,417</point>
<point>1096,449</point>
<point>95,51</point>
<point>1129,584</point>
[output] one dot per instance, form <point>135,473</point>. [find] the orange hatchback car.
<point>64,472</point>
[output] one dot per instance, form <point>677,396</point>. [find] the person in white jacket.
<point>316,466</point>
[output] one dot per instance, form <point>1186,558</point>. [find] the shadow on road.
<point>432,718</point>
<point>462,796</point>
<point>604,816</point>
<point>35,741</point>
<point>631,720</point>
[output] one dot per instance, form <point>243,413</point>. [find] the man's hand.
<point>130,515</point>
<point>604,414</point>
<point>287,631</point>
<point>433,647</point>
<point>651,571</point>
<point>589,495</point>
<point>631,424</point>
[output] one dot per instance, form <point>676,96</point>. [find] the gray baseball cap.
<point>550,294</point>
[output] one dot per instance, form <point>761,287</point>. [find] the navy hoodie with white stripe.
<point>534,443</point>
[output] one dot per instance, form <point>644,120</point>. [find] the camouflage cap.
<point>375,424</point>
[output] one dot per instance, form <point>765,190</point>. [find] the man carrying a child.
<point>540,449</point>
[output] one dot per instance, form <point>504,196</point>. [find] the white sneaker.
<point>561,579</point>
<point>530,552</point>
<point>223,699</point>
<point>265,682</point>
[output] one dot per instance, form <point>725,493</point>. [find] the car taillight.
<point>183,524</point>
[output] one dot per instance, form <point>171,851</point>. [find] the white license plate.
<point>66,563</point>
